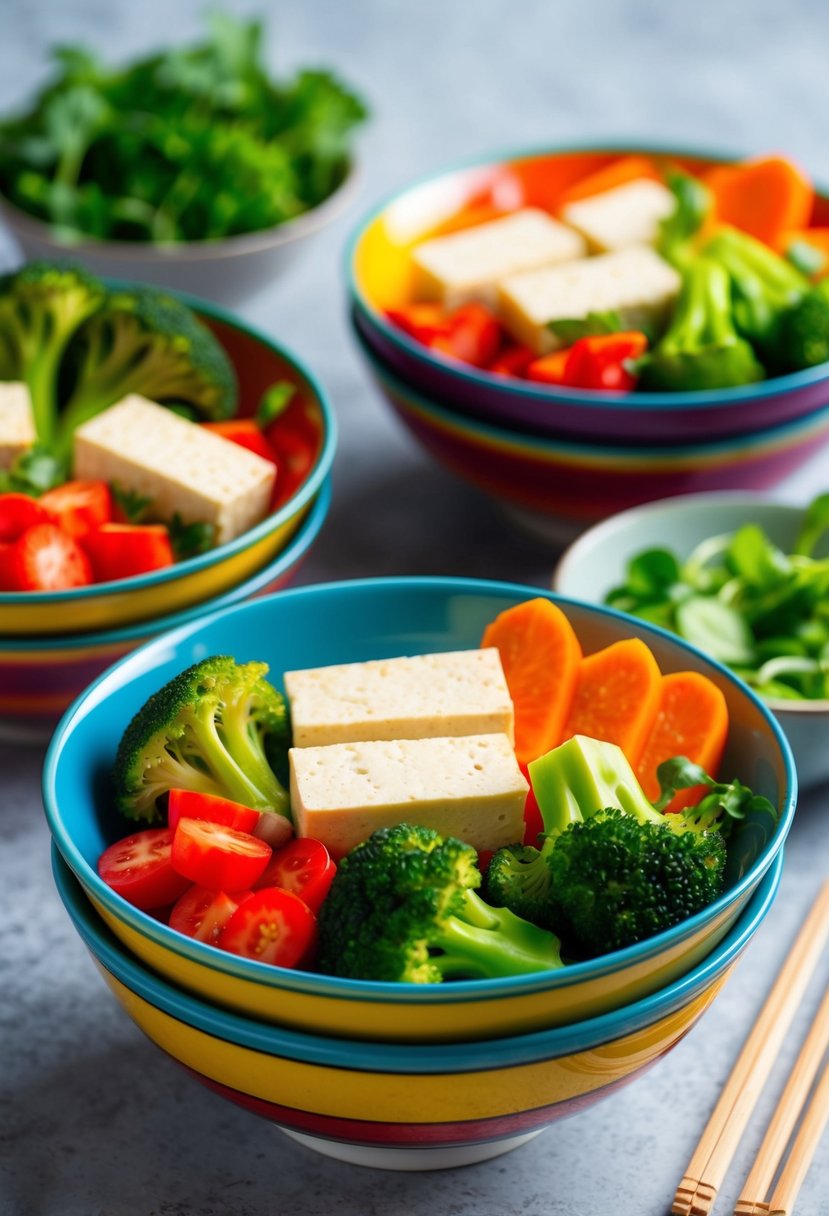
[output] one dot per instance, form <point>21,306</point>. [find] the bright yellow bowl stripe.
<point>405,1097</point>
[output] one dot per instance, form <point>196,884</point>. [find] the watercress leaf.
<point>651,572</point>
<point>188,540</point>
<point>717,628</point>
<point>756,559</point>
<point>678,773</point>
<point>815,524</point>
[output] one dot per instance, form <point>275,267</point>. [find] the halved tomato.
<point>124,550</point>
<point>216,856</point>
<point>79,507</point>
<point>304,867</point>
<point>203,913</point>
<point>45,558</point>
<point>188,804</point>
<point>272,926</point>
<point>140,869</point>
<point>17,513</point>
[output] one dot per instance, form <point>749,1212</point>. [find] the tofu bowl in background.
<point>258,363</point>
<point>555,487</point>
<point>383,619</point>
<point>382,279</point>
<point>597,561</point>
<point>40,677</point>
<point>404,1106</point>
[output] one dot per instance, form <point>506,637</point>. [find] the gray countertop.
<point>94,1121</point>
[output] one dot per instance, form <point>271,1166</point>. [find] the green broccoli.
<point>42,307</point>
<point>615,881</point>
<point>804,330</point>
<point>146,342</point>
<point>403,906</point>
<point>701,348</point>
<point>210,729</point>
<point>763,284</point>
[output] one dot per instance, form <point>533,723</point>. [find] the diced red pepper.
<point>599,361</point>
<point>550,369</point>
<point>512,361</point>
<point>79,507</point>
<point>423,322</point>
<point>246,433</point>
<point>17,513</point>
<point>124,550</point>
<point>474,336</point>
<point>295,436</point>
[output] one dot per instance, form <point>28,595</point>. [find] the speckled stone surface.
<point>94,1121</point>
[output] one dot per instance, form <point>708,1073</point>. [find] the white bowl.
<point>596,563</point>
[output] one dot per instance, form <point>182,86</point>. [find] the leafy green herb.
<point>188,540</point>
<point>570,329</point>
<point>33,472</point>
<point>187,144</point>
<point>692,205</point>
<point>815,524</point>
<point>731,798</point>
<point>133,505</point>
<point>275,401</point>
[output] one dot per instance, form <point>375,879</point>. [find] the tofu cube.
<point>627,215</point>
<point>467,265</point>
<point>460,693</point>
<point>181,467</point>
<point>470,787</point>
<point>637,283</point>
<point>17,424</point>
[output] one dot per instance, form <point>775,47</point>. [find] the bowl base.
<point>378,1157</point>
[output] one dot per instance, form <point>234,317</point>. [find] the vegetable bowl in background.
<point>110,485</point>
<point>192,168</point>
<point>644,296</point>
<point>776,641</point>
<point>383,619</point>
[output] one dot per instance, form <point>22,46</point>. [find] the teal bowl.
<point>349,622</point>
<point>40,677</point>
<point>379,277</point>
<point>596,562</point>
<point>403,1106</point>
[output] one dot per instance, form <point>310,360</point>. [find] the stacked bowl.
<point>400,1075</point>
<point>52,644</point>
<point>562,458</point>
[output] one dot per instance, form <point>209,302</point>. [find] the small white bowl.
<point>227,271</point>
<point>596,563</point>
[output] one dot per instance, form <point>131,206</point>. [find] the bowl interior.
<point>350,622</point>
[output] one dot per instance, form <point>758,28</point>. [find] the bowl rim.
<point>617,523</point>
<point>553,444</point>
<point>479,380</point>
<point>388,991</point>
<point>231,548</point>
<point>419,1058</point>
<point>299,542</point>
<point>182,252</point>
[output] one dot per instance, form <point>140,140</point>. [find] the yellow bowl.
<point>378,618</point>
<point>258,363</point>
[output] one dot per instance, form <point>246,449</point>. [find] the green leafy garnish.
<point>275,401</point>
<point>806,258</point>
<point>692,205</point>
<point>570,329</point>
<point>33,472</point>
<point>188,540</point>
<point>731,799</point>
<point>133,505</point>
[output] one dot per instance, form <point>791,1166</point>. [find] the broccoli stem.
<point>225,767</point>
<point>485,943</point>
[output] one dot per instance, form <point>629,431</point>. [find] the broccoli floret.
<point>763,284</point>
<point>206,730</point>
<point>615,881</point>
<point>518,878</point>
<point>701,348</point>
<point>403,906</point>
<point>42,307</point>
<point>146,342</point>
<point>804,330</point>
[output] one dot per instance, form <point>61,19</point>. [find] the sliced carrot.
<point>541,657</point>
<point>766,197</point>
<point>692,721</point>
<point>618,173</point>
<point>616,698</point>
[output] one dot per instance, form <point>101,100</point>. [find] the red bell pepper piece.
<point>599,361</point>
<point>474,336</point>
<point>551,368</point>
<point>423,322</point>
<point>512,361</point>
<point>245,432</point>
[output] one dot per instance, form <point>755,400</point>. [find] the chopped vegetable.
<point>304,867</point>
<point>765,197</point>
<point>17,513</point>
<point>206,730</point>
<point>139,868</point>
<point>247,433</point>
<point>202,913</point>
<point>217,856</point>
<point>616,697</point>
<point>190,804</point>
<point>692,721</point>
<point>44,558</point>
<point>540,654</point>
<point>804,330</point>
<point>600,361</point>
<point>271,926</point>
<point>79,507</point>
<point>618,172</point>
<point>119,551</point>
<point>403,906</point>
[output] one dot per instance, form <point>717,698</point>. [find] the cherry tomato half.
<point>217,856</point>
<point>140,868</point>
<point>271,926</point>
<point>17,513</point>
<point>79,507</point>
<point>203,913</point>
<point>304,867</point>
<point>45,558</point>
<point>188,804</point>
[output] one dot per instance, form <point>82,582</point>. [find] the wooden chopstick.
<point>719,1141</point>
<point>779,1131</point>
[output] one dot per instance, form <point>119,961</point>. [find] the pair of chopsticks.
<point>706,1170</point>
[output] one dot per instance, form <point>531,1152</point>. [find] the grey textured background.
<point>93,1120</point>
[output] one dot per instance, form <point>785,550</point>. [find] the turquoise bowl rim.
<point>552,444</point>
<point>297,546</point>
<point>701,399</point>
<point>221,553</point>
<point>380,991</point>
<point>476,1056</point>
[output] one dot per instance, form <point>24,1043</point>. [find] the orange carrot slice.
<point>616,698</point>
<point>618,173</point>
<point>766,197</point>
<point>692,721</point>
<point>541,656</point>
